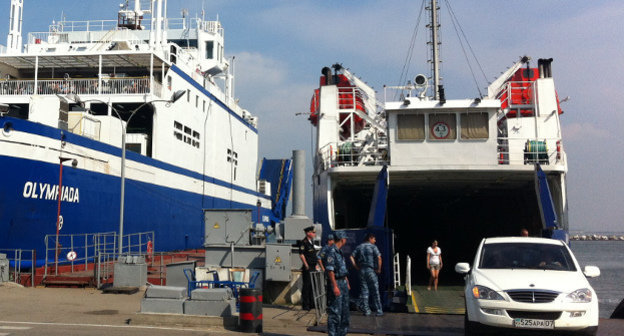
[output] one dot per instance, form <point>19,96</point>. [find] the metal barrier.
<point>75,250</point>
<point>19,257</point>
<point>319,288</point>
<point>80,249</point>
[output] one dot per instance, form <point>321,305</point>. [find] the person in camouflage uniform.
<point>323,253</point>
<point>367,259</point>
<point>337,288</point>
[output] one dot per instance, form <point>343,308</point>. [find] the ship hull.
<point>91,197</point>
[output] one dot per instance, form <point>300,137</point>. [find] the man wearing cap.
<point>337,288</point>
<point>367,260</point>
<point>307,253</point>
<point>323,253</point>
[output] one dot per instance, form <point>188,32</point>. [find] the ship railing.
<point>347,154</point>
<point>169,23</point>
<point>110,86</point>
<point>518,95</point>
<point>544,151</point>
<point>76,251</point>
<point>22,266</point>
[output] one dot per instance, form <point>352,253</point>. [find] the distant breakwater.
<point>596,237</point>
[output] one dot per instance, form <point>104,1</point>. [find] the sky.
<point>280,47</point>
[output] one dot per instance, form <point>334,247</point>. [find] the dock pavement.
<point>70,311</point>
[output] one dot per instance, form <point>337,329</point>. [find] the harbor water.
<point>608,256</point>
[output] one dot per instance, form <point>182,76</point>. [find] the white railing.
<point>91,25</point>
<point>346,154</point>
<point>530,151</point>
<point>78,86</point>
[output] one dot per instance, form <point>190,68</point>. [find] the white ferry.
<point>71,96</point>
<point>419,167</point>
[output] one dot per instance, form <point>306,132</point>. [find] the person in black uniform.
<point>307,253</point>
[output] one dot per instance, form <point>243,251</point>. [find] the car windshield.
<point>526,256</point>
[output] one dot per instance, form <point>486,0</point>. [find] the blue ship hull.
<point>28,202</point>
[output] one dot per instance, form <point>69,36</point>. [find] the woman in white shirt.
<point>434,263</point>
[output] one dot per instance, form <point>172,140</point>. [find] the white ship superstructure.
<point>72,91</point>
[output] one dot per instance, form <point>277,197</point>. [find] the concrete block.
<point>211,294</point>
<point>165,292</point>
<point>210,308</point>
<point>163,306</point>
<point>130,275</point>
<point>175,273</point>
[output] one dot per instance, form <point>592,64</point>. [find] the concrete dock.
<point>70,311</point>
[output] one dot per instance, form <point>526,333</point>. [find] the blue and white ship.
<point>68,95</point>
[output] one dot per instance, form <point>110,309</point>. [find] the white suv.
<point>528,283</point>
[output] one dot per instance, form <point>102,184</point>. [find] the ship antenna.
<point>435,49</point>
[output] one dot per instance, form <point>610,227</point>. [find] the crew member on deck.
<point>307,253</point>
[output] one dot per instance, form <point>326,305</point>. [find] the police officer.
<point>367,259</point>
<point>307,253</point>
<point>337,288</point>
<point>323,253</point>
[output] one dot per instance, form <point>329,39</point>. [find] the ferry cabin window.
<point>209,49</point>
<point>169,83</point>
<point>442,126</point>
<point>410,127</point>
<point>474,126</point>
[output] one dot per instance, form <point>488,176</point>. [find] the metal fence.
<point>22,264</point>
<point>319,292</point>
<point>76,250</point>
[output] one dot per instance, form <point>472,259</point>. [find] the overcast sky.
<point>281,46</point>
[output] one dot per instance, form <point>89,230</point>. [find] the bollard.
<point>250,314</point>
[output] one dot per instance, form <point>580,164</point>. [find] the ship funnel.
<point>544,66</point>
<point>298,205</point>
<point>328,75</point>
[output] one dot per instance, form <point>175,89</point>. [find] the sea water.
<point>609,257</point>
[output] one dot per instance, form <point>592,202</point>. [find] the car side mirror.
<point>591,271</point>
<point>462,268</point>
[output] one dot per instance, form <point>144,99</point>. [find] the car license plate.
<point>532,323</point>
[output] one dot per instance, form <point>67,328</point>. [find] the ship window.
<point>187,130</point>
<point>177,135</point>
<point>410,127</point>
<point>169,83</point>
<point>188,96</point>
<point>177,125</point>
<point>204,106</point>
<point>209,49</point>
<point>442,126</point>
<point>195,134</point>
<point>474,126</point>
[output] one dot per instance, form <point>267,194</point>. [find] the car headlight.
<point>580,295</point>
<point>484,293</point>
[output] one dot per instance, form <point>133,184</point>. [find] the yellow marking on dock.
<point>414,303</point>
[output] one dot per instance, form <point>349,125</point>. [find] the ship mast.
<point>435,49</point>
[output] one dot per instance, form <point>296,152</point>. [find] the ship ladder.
<point>397,271</point>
